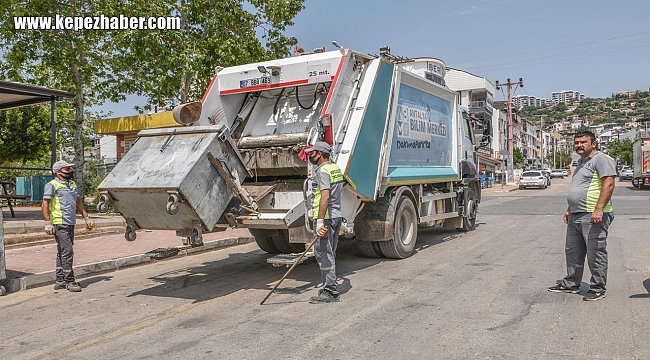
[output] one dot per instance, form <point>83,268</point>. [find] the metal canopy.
<point>14,95</point>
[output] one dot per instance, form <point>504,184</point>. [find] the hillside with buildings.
<point>622,110</point>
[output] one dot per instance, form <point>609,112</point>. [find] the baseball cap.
<point>320,146</point>
<point>60,165</point>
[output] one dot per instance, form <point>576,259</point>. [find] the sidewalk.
<point>30,256</point>
<point>496,189</point>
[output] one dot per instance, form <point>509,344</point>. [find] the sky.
<point>595,47</point>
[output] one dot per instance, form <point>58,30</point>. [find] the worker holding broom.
<point>329,182</point>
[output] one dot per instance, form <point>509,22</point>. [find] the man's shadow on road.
<point>250,270</point>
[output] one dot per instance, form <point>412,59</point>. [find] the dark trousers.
<point>584,238</point>
<point>64,236</point>
<point>325,253</point>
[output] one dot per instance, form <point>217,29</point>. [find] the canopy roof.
<point>14,95</point>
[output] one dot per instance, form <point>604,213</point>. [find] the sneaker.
<point>324,296</point>
<point>593,295</point>
<point>59,285</point>
<point>73,287</point>
<point>559,288</point>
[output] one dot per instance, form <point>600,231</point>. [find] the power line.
<point>554,48</point>
<point>556,58</point>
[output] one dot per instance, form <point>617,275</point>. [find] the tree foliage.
<point>170,67</point>
<point>559,159</point>
<point>24,134</point>
<point>621,150</point>
<point>518,157</point>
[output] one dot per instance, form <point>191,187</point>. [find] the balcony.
<point>480,106</point>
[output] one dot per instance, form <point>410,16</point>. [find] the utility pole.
<point>541,139</point>
<point>509,84</point>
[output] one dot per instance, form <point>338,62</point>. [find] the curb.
<point>49,277</point>
<point>17,228</point>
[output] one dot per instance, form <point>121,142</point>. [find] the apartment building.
<point>566,96</point>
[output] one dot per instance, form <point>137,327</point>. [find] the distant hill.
<point>620,109</point>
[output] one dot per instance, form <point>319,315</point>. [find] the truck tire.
<point>469,220</point>
<point>405,231</point>
<point>281,242</point>
<point>264,239</point>
<point>369,248</point>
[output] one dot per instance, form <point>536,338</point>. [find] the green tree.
<point>621,150</point>
<point>517,157</point>
<point>24,134</point>
<point>171,67</point>
<point>559,159</point>
<point>76,61</point>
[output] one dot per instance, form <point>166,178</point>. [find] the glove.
<point>321,229</point>
<point>49,229</point>
<point>89,225</point>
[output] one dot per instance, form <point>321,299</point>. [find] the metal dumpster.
<point>175,179</point>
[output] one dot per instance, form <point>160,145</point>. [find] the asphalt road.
<point>478,295</point>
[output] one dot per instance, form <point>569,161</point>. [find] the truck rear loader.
<point>641,157</point>
<point>406,151</point>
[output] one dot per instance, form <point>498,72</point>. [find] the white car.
<point>558,173</point>
<point>565,172</point>
<point>532,179</point>
<point>626,173</point>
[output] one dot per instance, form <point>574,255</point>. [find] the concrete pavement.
<point>30,254</point>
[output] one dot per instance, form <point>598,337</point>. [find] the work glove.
<point>321,229</point>
<point>49,229</point>
<point>89,225</point>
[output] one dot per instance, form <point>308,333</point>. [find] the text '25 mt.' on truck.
<point>641,157</point>
<point>406,151</point>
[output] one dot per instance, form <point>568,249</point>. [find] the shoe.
<point>59,285</point>
<point>73,287</point>
<point>324,296</point>
<point>559,288</point>
<point>593,295</point>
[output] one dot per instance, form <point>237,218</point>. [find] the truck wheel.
<point>369,248</point>
<point>264,239</point>
<point>281,242</point>
<point>469,221</point>
<point>405,232</point>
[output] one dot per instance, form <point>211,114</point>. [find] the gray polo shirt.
<point>586,183</point>
<point>67,196</point>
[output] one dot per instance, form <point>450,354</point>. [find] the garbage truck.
<point>641,158</point>
<point>405,147</point>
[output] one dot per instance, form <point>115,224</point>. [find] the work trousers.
<point>584,238</point>
<point>325,253</point>
<point>64,235</point>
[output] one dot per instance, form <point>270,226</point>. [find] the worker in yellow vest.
<point>61,202</point>
<point>329,182</point>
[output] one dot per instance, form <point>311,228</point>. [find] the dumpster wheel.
<point>130,234</point>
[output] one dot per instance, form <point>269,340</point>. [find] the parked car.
<point>626,173</point>
<point>547,174</point>
<point>532,179</point>
<point>618,169</point>
<point>574,163</point>
<point>557,173</point>
<point>566,172</point>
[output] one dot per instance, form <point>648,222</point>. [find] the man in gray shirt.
<point>588,218</point>
<point>328,189</point>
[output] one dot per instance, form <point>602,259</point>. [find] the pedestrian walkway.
<point>30,256</point>
<point>497,188</point>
